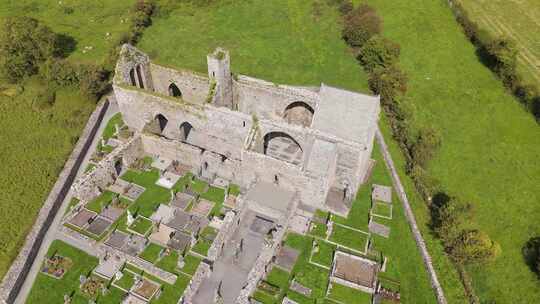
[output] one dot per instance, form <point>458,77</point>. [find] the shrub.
<point>93,81</point>
<point>378,52</point>
<point>449,218</point>
<point>361,24</point>
<point>531,254</point>
<point>345,7</point>
<point>388,82</point>
<point>504,54</point>
<point>60,71</point>
<point>45,98</point>
<point>424,148</point>
<point>498,54</point>
<point>474,247</point>
<point>424,183</point>
<point>24,44</point>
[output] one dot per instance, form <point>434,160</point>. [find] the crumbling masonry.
<point>314,141</point>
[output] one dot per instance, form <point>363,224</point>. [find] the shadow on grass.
<point>531,255</point>
<point>66,45</point>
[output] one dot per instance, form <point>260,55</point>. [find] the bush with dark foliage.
<point>360,24</point>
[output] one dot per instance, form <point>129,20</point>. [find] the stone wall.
<point>268,100</point>
<point>92,183</point>
<point>133,68</point>
<point>219,70</point>
<point>420,243</point>
<point>192,156</point>
<point>219,137</point>
<point>194,87</point>
<point>217,129</point>
<point>17,273</point>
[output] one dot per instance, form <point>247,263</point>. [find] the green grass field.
<point>36,142</point>
<point>518,20</point>
<point>349,238</point>
<point>96,26</point>
<point>289,42</point>
<point>489,144</point>
<point>151,253</point>
<point>345,294</point>
<point>35,145</point>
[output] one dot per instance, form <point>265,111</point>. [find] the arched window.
<point>161,122</point>
<point>132,77</point>
<point>185,130</point>
<point>118,167</point>
<point>282,146</point>
<point>299,113</point>
<point>139,77</point>
<point>174,90</point>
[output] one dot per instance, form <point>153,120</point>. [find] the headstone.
<point>118,275</point>
<point>82,279</point>
<point>181,263</point>
<point>130,218</point>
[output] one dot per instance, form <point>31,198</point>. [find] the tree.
<point>378,52</point>
<point>427,142</point>
<point>93,80</point>
<point>474,247</point>
<point>504,52</point>
<point>449,218</point>
<point>388,82</point>
<point>24,44</point>
<point>361,24</point>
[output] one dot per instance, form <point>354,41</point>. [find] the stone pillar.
<point>219,72</point>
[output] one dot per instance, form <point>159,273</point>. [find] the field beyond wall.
<point>34,141</point>
<point>490,144</point>
<point>518,20</point>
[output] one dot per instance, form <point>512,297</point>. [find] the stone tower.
<point>219,71</point>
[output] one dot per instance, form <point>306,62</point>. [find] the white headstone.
<point>130,218</point>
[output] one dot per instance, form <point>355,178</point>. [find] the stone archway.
<point>118,166</point>
<point>161,122</point>
<point>140,76</point>
<point>282,146</point>
<point>132,77</point>
<point>174,90</point>
<point>299,113</point>
<point>185,130</point>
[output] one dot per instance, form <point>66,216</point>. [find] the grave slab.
<point>117,239</point>
<point>379,229</point>
<point>286,257</point>
<point>381,193</point>
<point>168,180</point>
<point>99,225</point>
<point>82,218</point>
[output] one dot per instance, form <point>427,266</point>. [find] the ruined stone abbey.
<point>313,141</point>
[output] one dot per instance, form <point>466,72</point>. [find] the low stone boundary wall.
<point>15,277</point>
<point>420,243</point>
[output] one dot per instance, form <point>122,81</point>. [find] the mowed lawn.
<point>292,42</point>
<point>489,154</point>
<point>518,20</point>
<point>95,25</point>
<point>35,142</point>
